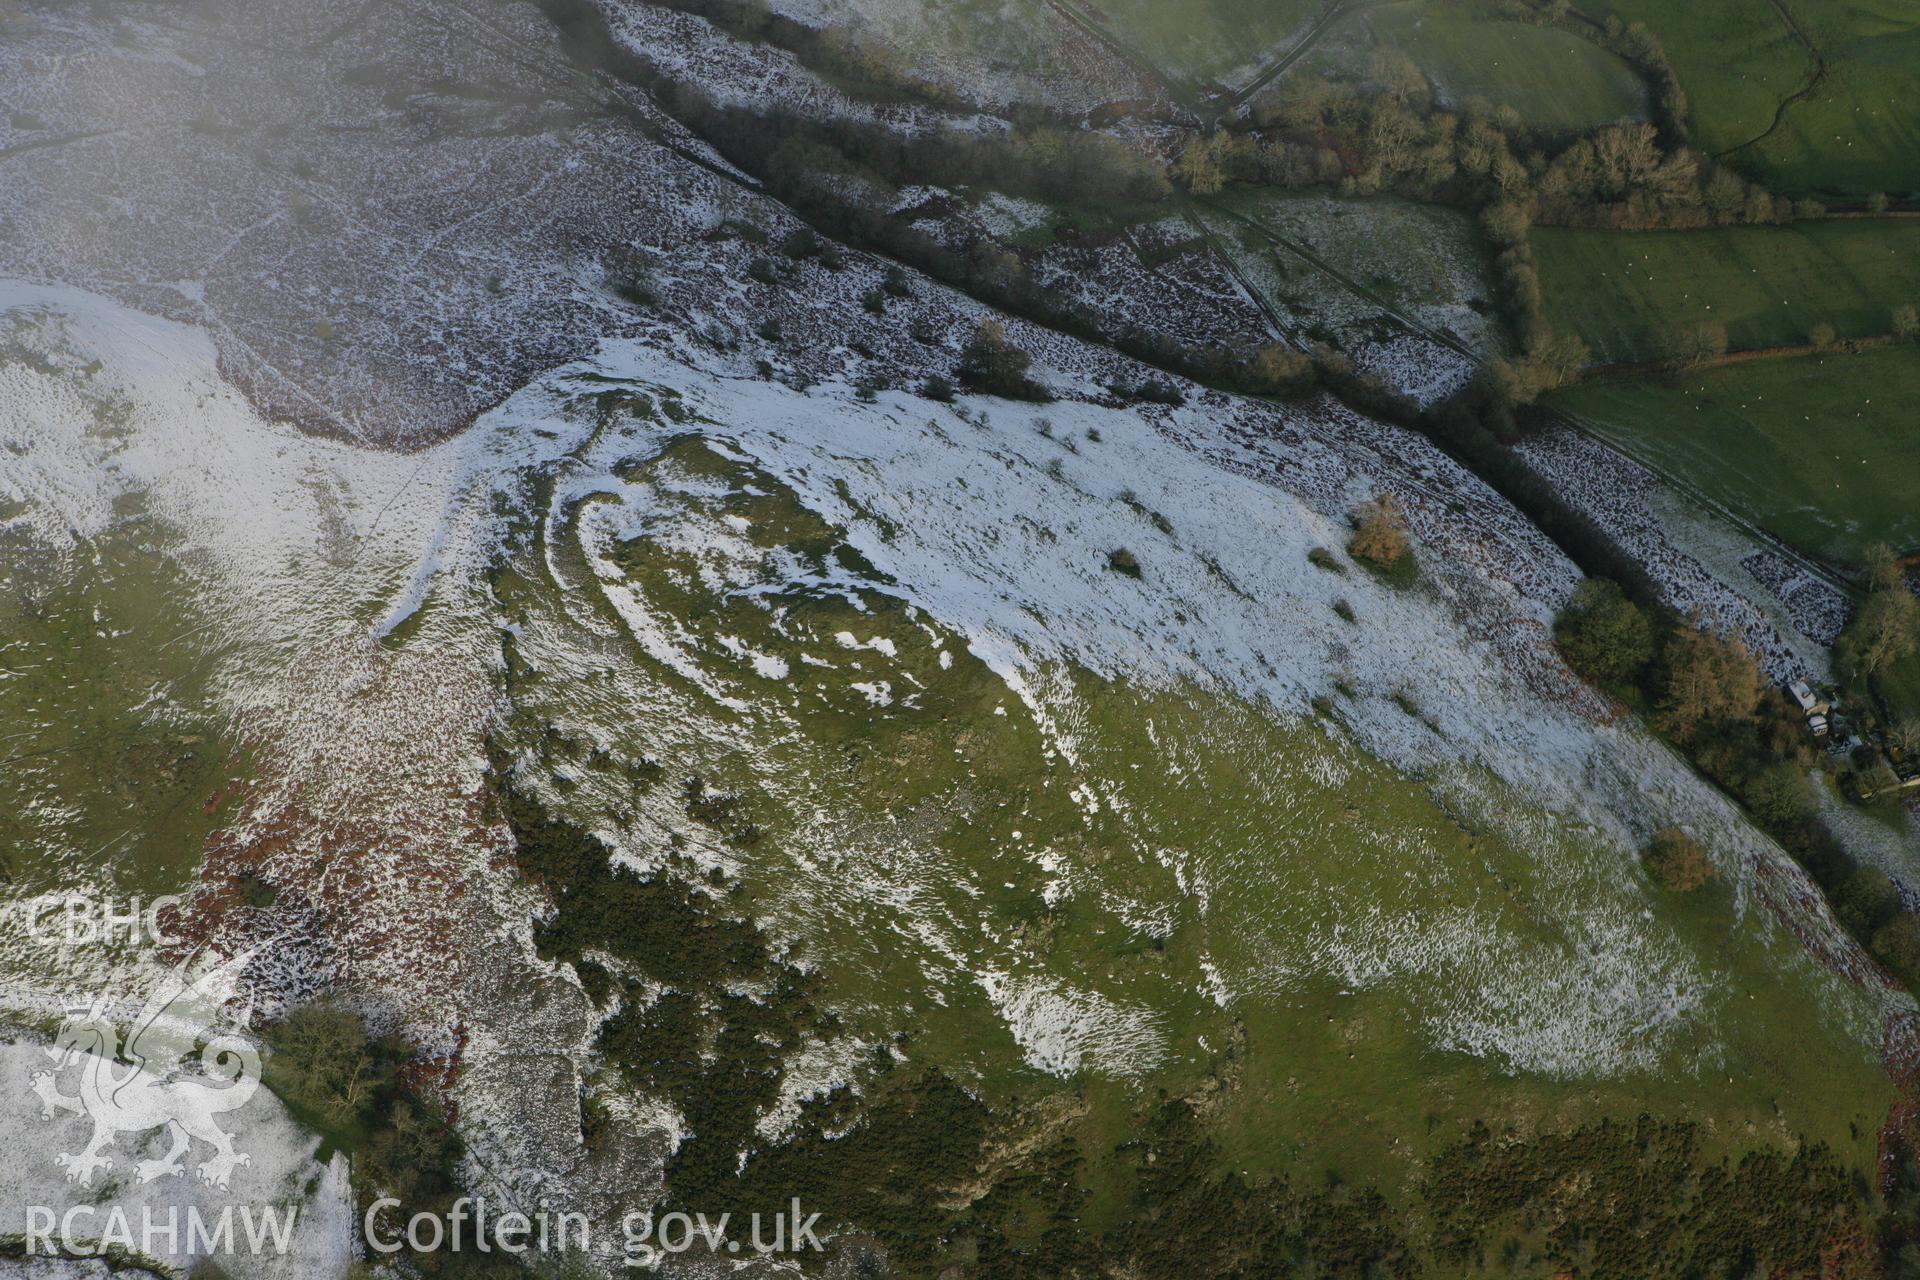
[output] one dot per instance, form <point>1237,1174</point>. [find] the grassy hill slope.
<point>1045,828</point>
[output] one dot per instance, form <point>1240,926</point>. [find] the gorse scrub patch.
<point>915,1162</point>
<point>1677,861</point>
<point>1381,541</point>
<point>1646,1204</point>
<point>1380,533</point>
<point>713,1041</point>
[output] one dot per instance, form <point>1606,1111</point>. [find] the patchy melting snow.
<point>1062,1030</point>
<point>1003,533</point>
<point>326,557</point>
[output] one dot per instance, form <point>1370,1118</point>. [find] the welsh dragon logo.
<point>156,1079</point>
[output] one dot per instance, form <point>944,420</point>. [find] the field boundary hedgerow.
<point>1642,370</point>
<point>1628,294</point>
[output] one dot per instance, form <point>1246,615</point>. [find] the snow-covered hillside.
<point>358,659</point>
<point>1066,743</point>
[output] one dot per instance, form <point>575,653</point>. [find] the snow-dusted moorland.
<point>335,327</point>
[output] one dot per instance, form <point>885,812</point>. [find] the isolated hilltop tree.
<point>1823,336</point>
<point>1677,861</point>
<point>1380,532</point>
<point>992,364</point>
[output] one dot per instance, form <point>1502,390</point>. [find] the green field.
<point>1554,79</point>
<point>1857,132</point>
<point>1768,285</point>
<point>1860,132</point>
<point>1821,451</point>
<point>1735,58</point>
<point>1200,41</point>
<point>98,663</point>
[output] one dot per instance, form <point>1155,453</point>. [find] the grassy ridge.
<point>1345,907</point>
<point>1819,451</point>
<point>1860,132</point>
<point>1769,285</point>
